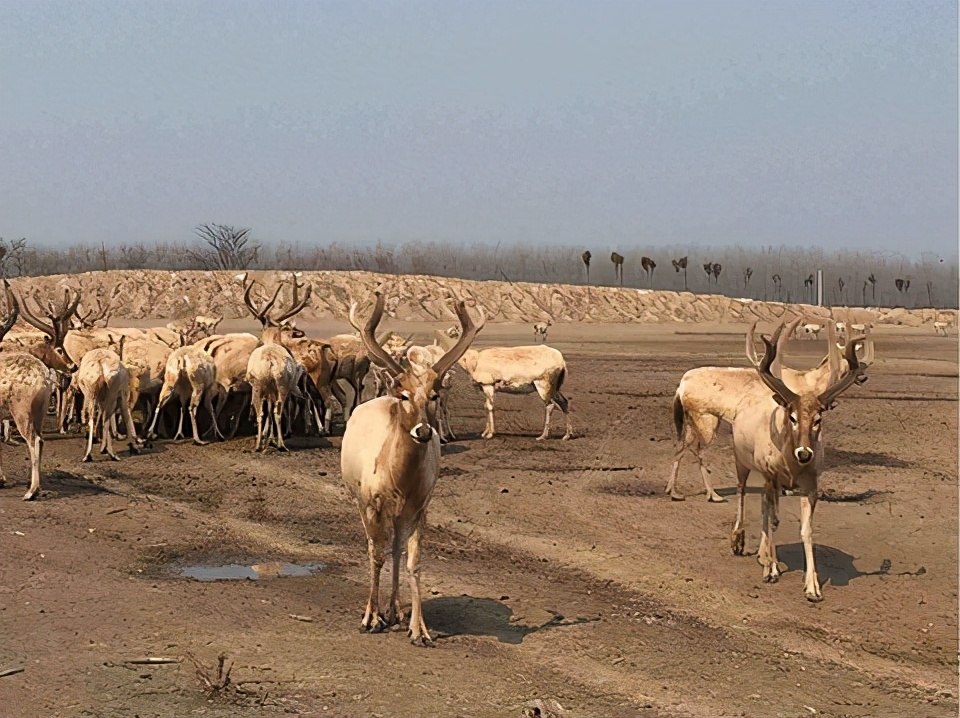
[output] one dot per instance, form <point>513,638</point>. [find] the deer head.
<point>417,387</point>
<point>801,433</point>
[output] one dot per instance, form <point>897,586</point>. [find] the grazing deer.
<point>708,395</point>
<point>104,383</point>
<point>190,375</point>
<point>779,437</point>
<point>26,386</point>
<point>540,330</point>
<point>390,461</point>
<point>231,354</point>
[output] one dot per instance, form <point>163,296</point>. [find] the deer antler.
<point>13,310</point>
<point>367,333</point>
<point>468,333</point>
<point>853,375</point>
<point>261,313</point>
<point>59,317</point>
<point>102,310</point>
<point>773,382</point>
<point>295,306</point>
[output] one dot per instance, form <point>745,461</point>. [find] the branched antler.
<point>58,316</point>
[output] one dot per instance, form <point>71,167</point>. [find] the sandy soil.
<point>553,570</point>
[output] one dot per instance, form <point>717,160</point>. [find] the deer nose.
<point>803,454</point>
<point>422,432</point>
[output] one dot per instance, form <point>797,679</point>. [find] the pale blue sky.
<point>603,124</point>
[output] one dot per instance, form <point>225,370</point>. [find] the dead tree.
<point>586,263</point>
<point>778,283</point>
<point>873,288</point>
<point>679,264</point>
<point>717,268</point>
<point>708,268</point>
<point>226,247</point>
<point>617,260</point>
<point>747,273</point>
<point>648,266</point>
<point>809,283</point>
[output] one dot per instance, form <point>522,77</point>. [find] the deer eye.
<point>405,395</point>
<point>793,418</point>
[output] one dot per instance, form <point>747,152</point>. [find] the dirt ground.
<point>552,570</point>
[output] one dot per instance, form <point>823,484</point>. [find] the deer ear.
<point>780,400</point>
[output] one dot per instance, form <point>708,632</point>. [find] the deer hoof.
<point>422,641</point>
<point>738,542</point>
<point>134,450</point>
<point>377,626</point>
<point>31,495</point>
<point>87,458</point>
<point>200,442</point>
<point>716,498</point>
<point>814,597</point>
<point>677,496</point>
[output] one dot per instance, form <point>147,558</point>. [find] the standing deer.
<point>617,260</point>
<point>26,386</point>
<point>390,461</point>
<point>540,330</point>
<point>778,437</point>
<point>104,382</point>
<point>191,375</point>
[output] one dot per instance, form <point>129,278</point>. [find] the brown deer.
<point>779,437</point>
<point>26,386</point>
<point>390,461</point>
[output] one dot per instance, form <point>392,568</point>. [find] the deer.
<point>104,383</point>
<point>26,385</point>
<point>520,370</point>
<point>708,395</point>
<point>540,330</point>
<point>231,355</point>
<point>940,328</point>
<point>777,434</point>
<point>390,462</point>
<point>812,330</point>
<point>273,375</point>
<point>190,374</point>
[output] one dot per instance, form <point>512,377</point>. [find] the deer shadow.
<point>835,566</point>
<point>452,449</point>
<point>838,457</point>
<point>64,485</point>
<point>468,616</point>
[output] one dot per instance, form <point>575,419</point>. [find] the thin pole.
<point>819,287</point>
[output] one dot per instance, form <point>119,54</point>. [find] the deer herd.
<point>391,445</point>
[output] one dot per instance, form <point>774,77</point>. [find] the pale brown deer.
<point>390,461</point>
<point>778,436</point>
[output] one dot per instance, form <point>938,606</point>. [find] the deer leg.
<point>91,425</point>
<point>245,401</point>
<point>183,409</point>
<point>564,404</point>
<point>372,621</point>
<point>418,629</point>
<point>131,429</point>
<point>278,421</point>
<point>214,414</point>
<point>341,397</point>
<point>394,614</point>
<point>768,550</point>
<point>195,397</point>
<point>738,537</point>
<point>35,444</point>
<point>165,395</point>
<point>811,583</point>
<point>488,393</point>
<point>258,407</point>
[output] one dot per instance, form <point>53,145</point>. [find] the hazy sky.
<point>604,124</point>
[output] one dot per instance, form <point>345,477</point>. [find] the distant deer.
<point>617,260</point>
<point>679,264</point>
<point>586,263</point>
<point>540,330</point>
<point>648,266</point>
